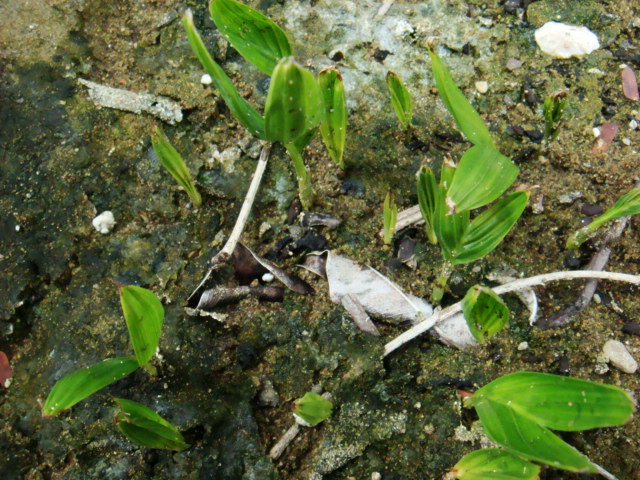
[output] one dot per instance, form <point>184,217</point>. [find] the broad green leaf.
<point>305,189</point>
<point>172,161</point>
<point>253,35</point>
<point>312,409</point>
<point>293,105</point>
<point>144,315</point>
<point>483,174</point>
<point>494,464</point>
<point>560,403</point>
<point>488,229</point>
<point>526,438</point>
<point>628,204</point>
<point>428,198</point>
<point>485,312</point>
<point>400,98</point>
<point>334,122</point>
<point>145,427</point>
<point>468,120</point>
<point>240,108</point>
<point>389,217</point>
<point>78,385</point>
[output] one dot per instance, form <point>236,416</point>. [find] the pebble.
<point>376,476</point>
<point>569,197</point>
<point>618,355</point>
<point>523,346</point>
<point>513,64</point>
<point>564,41</point>
<point>104,222</point>
<point>482,86</point>
<point>206,79</point>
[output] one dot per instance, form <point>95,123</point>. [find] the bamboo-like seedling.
<point>400,99</point>
<point>553,109</point>
<point>389,217</point>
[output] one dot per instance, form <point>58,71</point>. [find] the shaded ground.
<point>63,160</point>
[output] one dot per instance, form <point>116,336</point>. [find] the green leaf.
<point>468,120</point>
<point>485,312</point>
<point>305,188</point>
<point>174,164</point>
<point>145,427</point>
<point>389,217</point>
<point>450,229</point>
<point>428,198</point>
<point>253,35</point>
<point>334,123</point>
<point>628,204</point>
<point>561,403</point>
<point>488,229</point>
<point>240,108</point>
<point>526,438</point>
<point>400,98</point>
<point>144,315</point>
<point>483,174</point>
<point>494,464</point>
<point>312,409</point>
<point>294,104</point>
<point>78,385</point>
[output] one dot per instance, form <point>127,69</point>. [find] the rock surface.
<point>619,356</point>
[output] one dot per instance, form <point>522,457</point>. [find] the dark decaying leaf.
<point>629,84</point>
<point>246,267</point>
<point>220,296</point>
<point>320,220</point>
<point>316,263</point>
<point>292,282</point>
<point>359,315</point>
<point>6,372</point>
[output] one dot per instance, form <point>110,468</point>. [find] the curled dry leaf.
<point>6,372</point>
<point>629,84</point>
<point>320,220</point>
<point>359,315</point>
<point>219,296</point>
<point>607,134</point>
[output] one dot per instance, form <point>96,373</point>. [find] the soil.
<point>64,160</point>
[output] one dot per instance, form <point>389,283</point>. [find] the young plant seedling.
<point>172,161</point>
<point>145,427</point>
<point>628,204</point>
<point>312,409</point>
<point>552,110</point>
<point>485,312</point>
<point>389,217</point>
<point>519,410</point>
<point>481,177</point>
<point>294,105</point>
<point>144,315</point>
<point>400,99</point>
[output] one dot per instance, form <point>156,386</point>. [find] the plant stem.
<point>223,255</point>
<point>516,285</point>
<point>441,282</point>
<point>305,189</point>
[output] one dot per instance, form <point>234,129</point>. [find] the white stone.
<point>206,79</point>
<point>523,346</point>
<point>482,86</point>
<point>104,222</point>
<point>618,355</point>
<point>564,41</point>
<point>376,476</point>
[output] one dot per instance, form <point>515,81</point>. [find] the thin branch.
<point>516,285</point>
<point>223,255</point>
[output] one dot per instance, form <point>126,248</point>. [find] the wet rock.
<point>591,210</point>
<point>513,64</point>
<point>618,355</point>
<point>631,328</point>
<point>564,41</point>
<point>568,198</point>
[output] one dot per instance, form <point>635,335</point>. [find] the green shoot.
<point>312,409</point>
<point>305,188</point>
<point>389,217</point>
<point>553,109</point>
<point>485,312</point>
<point>494,463</point>
<point>468,120</point>
<point>145,427</point>
<point>518,410</point>
<point>401,99</point>
<point>174,164</point>
<point>334,123</point>
<point>628,204</point>
<point>78,385</point>
<point>144,316</point>
<point>254,36</point>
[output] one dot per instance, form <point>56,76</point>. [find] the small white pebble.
<point>104,222</point>
<point>376,476</point>
<point>206,79</point>
<point>267,277</point>
<point>619,356</point>
<point>626,141</point>
<point>633,124</point>
<point>482,86</point>
<point>523,346</point>
<point>17,228</point>
<point>596,132</point>
<point>417,406</point>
